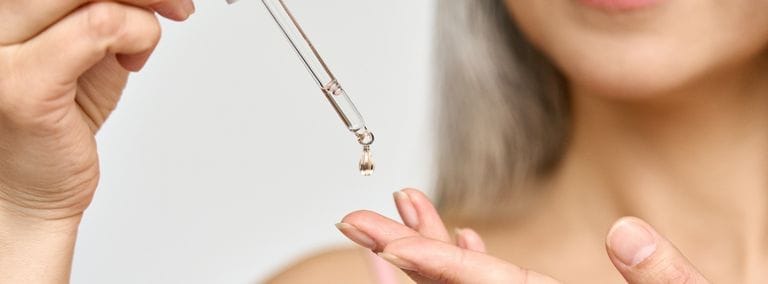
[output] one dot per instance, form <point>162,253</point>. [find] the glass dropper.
<point>327,82</point>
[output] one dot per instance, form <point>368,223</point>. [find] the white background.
<point>224,163</point>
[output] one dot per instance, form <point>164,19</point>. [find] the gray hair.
<point>502,111</point>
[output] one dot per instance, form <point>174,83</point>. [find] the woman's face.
<point>643,47</point>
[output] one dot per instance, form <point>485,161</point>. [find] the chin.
<point>648,74</point>
<point>662,49</point>
<point>633,71</point>
<point>641,80</point>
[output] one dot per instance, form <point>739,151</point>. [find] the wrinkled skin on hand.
<point>62,70</point>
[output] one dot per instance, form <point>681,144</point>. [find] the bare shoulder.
<point>348,265</point>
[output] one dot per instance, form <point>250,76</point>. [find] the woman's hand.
<point>63,66</point>
<point>424,249</point>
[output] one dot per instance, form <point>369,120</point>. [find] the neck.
<point>693,163</point>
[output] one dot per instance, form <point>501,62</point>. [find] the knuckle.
<point>141,27</point>
<point>105,18</point>
<point>154,31</point>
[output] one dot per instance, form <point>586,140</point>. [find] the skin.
<point>63,65</point>
<point>669,125</point>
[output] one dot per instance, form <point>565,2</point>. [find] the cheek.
<point>648,53</point>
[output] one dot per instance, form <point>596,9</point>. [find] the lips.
<point>619,4</point>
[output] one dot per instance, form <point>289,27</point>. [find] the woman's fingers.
<point>643,256</point>
<point>371,230</point>
<point>177,10</point>
<point>418,213</point>
<point>82,39</point>
<point>48,67</point>
<point>469,239</point>
<point>29,17</point>
<point>406,210</point>
<point>447,263</point>
<point>134,62</point>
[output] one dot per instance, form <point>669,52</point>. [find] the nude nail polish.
<point>406,209</point>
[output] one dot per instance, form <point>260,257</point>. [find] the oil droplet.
<point>366,162</point>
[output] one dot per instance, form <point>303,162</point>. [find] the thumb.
<point>643,256</point>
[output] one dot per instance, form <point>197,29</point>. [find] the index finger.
<point>23,19</point>
<point>381,230</point>
<point>430,223</point>
<point>447,263</point>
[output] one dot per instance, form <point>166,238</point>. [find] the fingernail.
<point>631,242</point>
<point>406,209</point>
<point>189,6</point>
<point>357,236</point>
<point>399,262</point>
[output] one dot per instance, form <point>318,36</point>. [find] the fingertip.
<point>174,11</point>
<point>421,201</point>
<point>469,239</point>
<point>133,62</point>
<point>631,241</point>
<point>642,255</point>
<point>406,209</point>
<point>357,216</point>
<point>412,192</point>
<point>460,240</point>
<point>189,6</point>
<point>430,223</point>
<point>83,38</point>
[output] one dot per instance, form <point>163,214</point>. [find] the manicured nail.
<point>357,236</point>
<point>189,6</point>
<point>631,242</point>
<point>406,209</point>
<point>399,262</point>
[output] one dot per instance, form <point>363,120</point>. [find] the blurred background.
<point>224,162</point>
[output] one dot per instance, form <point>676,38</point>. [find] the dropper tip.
<point>364,136</point>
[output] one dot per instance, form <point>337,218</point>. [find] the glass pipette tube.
<point>327,82</point>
